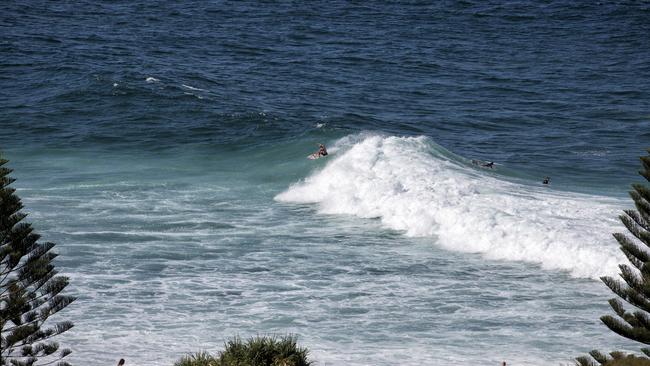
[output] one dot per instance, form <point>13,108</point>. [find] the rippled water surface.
<point>162,147</point>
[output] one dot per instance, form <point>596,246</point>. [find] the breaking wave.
<point>415,186</point>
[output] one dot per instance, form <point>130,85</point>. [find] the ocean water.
<point>163,147</point>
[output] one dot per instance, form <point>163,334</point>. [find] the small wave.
<point>192,88</point>
<point>151,79</point>
<point>413,185</point>
<point>599,153</point>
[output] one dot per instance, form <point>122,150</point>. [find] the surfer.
<point>322,151</point>
<point>483,164</point>
<point>546,180</point>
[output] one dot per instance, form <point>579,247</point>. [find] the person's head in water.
<point>546,180</point>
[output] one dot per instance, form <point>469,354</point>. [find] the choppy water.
<point>163,148</point>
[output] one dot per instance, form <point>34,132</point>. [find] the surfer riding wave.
<point>322,151</point>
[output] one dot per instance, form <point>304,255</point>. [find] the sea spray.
<point>415,186</point>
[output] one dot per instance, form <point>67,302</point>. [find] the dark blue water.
<point>550,87</point>
<point>158,118</point>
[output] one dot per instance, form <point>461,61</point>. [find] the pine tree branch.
<point>642,191</point>
<point>36,254</point>
<point>585,361</point>
<point>642,206</point>
<point>636,230</point>
<point>42,336</point>
<point>599,357</point>
<point>58,303</point>
<point>645,161</point>
<point>627,294</point>
<point>49,363</point>
<point>46,277</point>
<point>634,215</point>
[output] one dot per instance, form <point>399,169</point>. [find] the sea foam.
<point>415,186</point>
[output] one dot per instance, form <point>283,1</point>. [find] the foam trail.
<point>415,186</point>
<point>192,88</point>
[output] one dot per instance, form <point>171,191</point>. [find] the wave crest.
<point>415,186</point>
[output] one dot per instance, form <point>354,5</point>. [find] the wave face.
<point>415,186</point>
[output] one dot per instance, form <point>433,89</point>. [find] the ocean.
<point>162,146</point>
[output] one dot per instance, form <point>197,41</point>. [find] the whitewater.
<point>163,148</point>
<point>389,247</point>
<point>417,187</point>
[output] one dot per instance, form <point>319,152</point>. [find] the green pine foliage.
<point>257,351</point>
<point>30,290</point>
<point>616,358</point>
<point>629,360</point>
<point>635,288</point>
<point>199,359</point>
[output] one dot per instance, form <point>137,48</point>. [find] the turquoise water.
<point>175,252</point>
<point>163,148</point>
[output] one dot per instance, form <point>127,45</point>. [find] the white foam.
<point>192,88</point>
<point>151,80</point>
<point>411,185</point>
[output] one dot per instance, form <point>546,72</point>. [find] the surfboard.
<point>313,156</point>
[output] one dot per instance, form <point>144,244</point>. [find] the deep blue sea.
<point>162,146</point>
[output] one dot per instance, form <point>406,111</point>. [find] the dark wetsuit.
<point>322,151</point>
